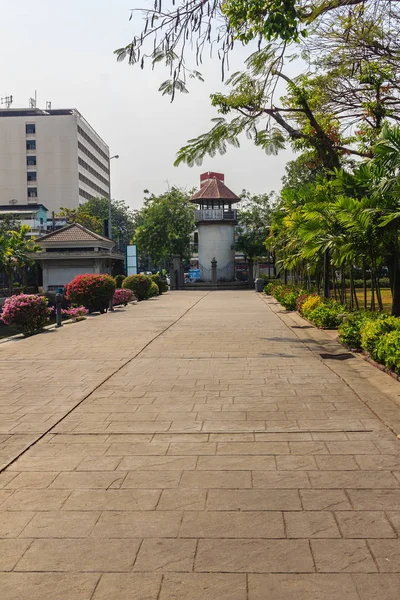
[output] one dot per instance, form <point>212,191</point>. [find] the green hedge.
<point>154,291</point>
<point>384,282</point>
<point>139,284</point>
<point>376,333</point>
<point>326,315</point>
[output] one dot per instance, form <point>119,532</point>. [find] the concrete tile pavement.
<point>222,458</point>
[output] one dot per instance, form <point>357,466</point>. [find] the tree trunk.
<point>9,273</point>
<point>326,274</point>
<point>376,286</point>
<point>273,263</point>
<point>372,292</point>
<point>352,291</point>
<point>365,286</point>
<point>343,277</point>
<point>334,283</point>
<point>251,272</point>
<point>394,269</point>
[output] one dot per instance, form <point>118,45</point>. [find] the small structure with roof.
<point>216,222</point>
<point>74,250</point>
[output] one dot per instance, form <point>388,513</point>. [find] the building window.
<point>86,166</point>
<point>32,192</point>
<point>103,193</point>
<point>31,161</point>
<point>30,128</point>
<point>31,176</point>
<point>92,157</point>
<point>92,143</point>
<point>31,144</point>
<point>85,195</point>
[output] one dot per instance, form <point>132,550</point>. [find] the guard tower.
<point>215,220</point>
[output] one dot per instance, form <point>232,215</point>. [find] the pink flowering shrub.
<point>122,296</point>
<point>76,313</point>
<point>91,290</point>
<point>28,312</point>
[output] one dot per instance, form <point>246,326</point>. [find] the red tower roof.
<point>214,189</point>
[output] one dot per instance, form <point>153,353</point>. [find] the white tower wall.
<point>216,240</point>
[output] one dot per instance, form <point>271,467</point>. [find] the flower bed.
<point>321,313</point>
<point>122,297</point>
<point>377,334</point>
<point>91,290</point>
<point>29,313</point>
<point>76,313</point>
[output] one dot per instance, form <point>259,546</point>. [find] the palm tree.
<point>387,207</point>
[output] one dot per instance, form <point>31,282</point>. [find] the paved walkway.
<point>198,447</point>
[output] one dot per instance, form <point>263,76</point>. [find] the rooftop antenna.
<point>33,101</point>
<point>7,101</point>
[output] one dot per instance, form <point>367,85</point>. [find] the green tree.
<point>169,34</point>
<point>254,219</point>
<point>15,247</point>
<point>93,213</point>
<point>336,108</point>
<point>8,223</point>
<point>165,225</point>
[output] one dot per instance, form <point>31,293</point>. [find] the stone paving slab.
<point>222,458</point>
<point>46,376</point>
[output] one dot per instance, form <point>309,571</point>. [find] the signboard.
<point>242,267</point>
<point>131,260</point>
<point>194,273</point>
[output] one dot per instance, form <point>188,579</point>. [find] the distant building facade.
<point>51,157</point>
<point>33,215</point>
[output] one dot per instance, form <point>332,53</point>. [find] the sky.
<point>64,51</point>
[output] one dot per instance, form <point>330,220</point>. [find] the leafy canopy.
<point>94,212</point>
<point>166,223</point>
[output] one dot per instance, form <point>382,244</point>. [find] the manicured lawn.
<point>386,298</point>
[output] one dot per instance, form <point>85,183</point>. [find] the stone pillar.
<point>176,273</point>
<point>214,271</point>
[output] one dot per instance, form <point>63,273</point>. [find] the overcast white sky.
<point>64,50</point>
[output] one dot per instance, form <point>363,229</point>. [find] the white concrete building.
<point>51,157</point>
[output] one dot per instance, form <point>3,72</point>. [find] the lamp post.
<point>111,307</point>
<point>109,197</point>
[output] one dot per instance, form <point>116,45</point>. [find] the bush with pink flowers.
<point>91,290</point>
<point>29,313</point>
<point>76,313</point>
<point>122,296</point>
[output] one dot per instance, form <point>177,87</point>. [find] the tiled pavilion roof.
<point>73,233</point>
<point>214,189</point>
